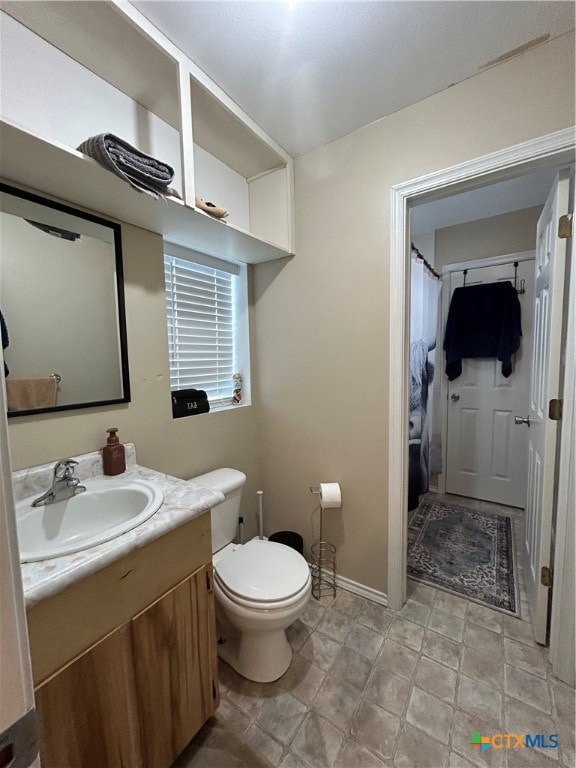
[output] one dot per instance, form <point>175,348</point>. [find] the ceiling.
<point>311,72</point>
<point>525,191</point>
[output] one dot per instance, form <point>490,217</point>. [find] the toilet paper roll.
<point>330,496</point>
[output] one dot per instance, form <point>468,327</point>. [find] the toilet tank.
<point>224,516</point>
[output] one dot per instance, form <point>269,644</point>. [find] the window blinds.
<point>200,309</point>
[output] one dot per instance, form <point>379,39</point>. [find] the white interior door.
<point>486,452</point>
<point>545,385</point>
<point>18,745</point>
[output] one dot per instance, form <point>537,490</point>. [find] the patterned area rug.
<point>464,551</point>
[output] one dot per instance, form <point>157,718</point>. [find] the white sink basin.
<point>106,509</point>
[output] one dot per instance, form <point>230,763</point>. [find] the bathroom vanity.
<point>122,639</point>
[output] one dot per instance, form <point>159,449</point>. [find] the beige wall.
<point>496,236</point>
<point>426,244</point>
<point>322,318</point>
<point>181,447</point>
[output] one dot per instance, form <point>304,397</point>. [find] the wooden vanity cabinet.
<point>87,712</point>
<point>137,696</point>
<point>174,644</point>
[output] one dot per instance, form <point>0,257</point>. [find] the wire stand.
<point>323,556</point>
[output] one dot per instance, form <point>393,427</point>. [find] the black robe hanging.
<point>483,321</point>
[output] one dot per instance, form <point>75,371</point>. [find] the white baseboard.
<point>362,591</point>
<point>358,589</point>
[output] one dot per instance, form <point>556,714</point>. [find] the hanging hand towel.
<point>483,321</point>
<point>31,394</point>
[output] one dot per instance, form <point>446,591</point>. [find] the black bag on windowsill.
<point>189,402</point>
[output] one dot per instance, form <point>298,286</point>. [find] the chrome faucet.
<point>64,484</point>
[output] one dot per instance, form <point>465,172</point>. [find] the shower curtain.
<point>424,293</point>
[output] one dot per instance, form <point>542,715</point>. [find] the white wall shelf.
<point>27,160</point>
<point>102,40</point>
<point>114,57</point>
<point>224,135</point>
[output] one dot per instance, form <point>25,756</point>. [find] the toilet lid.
<point>263,571</point>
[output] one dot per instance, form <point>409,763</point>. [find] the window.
<point>207,314</point>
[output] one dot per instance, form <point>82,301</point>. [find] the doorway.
<point>553,149</point>
<point>476,504</point>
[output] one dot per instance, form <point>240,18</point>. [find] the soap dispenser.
<point>113,454</point>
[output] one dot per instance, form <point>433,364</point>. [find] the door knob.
<point>455,398</point>
<point>520,420</point>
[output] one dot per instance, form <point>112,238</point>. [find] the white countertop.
<point>183,500</point>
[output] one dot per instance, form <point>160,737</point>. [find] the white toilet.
<point>261,588</point>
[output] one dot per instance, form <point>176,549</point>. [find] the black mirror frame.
<point>117,229</point>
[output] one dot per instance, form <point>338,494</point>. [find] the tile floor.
<point>370,687</point>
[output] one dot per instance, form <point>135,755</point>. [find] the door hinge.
<point>565,226</point>
<point>546,576</point>
<point>555,410</point>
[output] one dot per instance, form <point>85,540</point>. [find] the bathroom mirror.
<point>62,306</point>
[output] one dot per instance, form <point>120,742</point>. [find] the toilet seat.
<point>262,574</point>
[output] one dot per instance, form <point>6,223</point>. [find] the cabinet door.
<point>87,712</point>
<point>175,662</point>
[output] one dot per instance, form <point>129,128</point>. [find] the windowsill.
<point>216,409</point>
<point>229,407</point>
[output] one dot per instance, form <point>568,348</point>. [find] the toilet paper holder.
<point>323,562</point>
